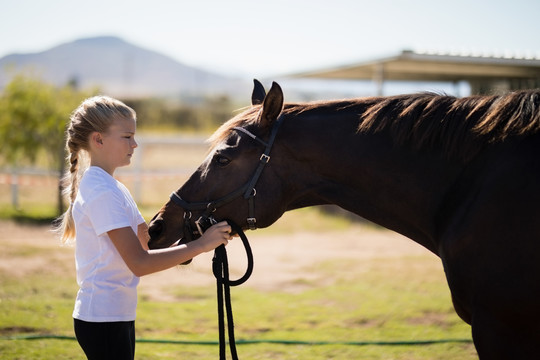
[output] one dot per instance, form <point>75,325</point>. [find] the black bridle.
<point>248,191</point>
<point>220,265</point>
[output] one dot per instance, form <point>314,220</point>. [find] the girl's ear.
<point>96,139</point>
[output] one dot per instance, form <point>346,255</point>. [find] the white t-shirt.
<point>108,289</point>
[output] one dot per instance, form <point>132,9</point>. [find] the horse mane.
<point>250,115</point>
<point>458,127</point>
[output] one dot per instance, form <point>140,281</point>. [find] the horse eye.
<point>222,160</point>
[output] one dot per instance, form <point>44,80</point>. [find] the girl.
<point>110,234</point>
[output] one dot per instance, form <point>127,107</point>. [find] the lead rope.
<point>220,268</point>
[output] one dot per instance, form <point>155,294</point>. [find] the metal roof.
<point>414,66</point>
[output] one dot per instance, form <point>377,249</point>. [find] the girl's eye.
<point>221,160</point>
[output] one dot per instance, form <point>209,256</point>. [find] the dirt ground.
<point>281,261</point>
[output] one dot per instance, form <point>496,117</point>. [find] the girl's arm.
<point>142,262</point>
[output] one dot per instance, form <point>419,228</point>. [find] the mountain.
<point>120,69</point>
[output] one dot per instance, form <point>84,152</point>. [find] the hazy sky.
<point>260,38</point>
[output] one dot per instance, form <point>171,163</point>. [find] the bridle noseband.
<point>248,191</point>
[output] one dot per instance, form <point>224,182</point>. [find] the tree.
<point>33,118</point>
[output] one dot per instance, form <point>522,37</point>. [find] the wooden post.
<point>14,181</point>
<point>378,78</point>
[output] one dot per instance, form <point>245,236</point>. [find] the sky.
<point>277,37</point>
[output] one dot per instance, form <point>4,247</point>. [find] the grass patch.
<point>34,214</point>
<point>340,313</point>
<point>394,300</point>
<point>37,304</point>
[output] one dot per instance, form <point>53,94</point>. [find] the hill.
<point>119,69</point>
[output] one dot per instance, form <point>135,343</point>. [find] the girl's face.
<point>119,142</point>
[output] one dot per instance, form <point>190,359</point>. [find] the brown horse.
<point>460,176</point>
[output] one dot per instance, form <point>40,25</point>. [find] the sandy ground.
<point>281,261</point>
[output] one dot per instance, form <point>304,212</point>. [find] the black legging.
<point>107,340</point>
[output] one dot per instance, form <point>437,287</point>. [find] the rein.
<point>220,268</point>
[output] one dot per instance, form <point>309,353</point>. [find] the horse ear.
<point>272,105</point>
<point>258,95</point>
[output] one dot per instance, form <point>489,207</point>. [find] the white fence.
<point>155,158</point>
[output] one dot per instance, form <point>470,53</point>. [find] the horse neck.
<point>397,188</point>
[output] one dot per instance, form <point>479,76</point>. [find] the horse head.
<point>238,180</point>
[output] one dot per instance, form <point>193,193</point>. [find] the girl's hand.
<point>216,235</point>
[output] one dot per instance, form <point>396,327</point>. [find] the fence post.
<point>14,181</point>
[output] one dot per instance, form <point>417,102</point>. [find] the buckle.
<point>252,223</point>
<point>265,158</point>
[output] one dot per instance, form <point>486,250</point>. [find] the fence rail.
<point>156,159</point>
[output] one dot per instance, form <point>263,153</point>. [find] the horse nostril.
<point>155,229</point>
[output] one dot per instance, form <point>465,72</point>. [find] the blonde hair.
<point>95,114</point>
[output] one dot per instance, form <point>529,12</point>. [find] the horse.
<point>459,176</point>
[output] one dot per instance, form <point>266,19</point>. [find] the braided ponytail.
<point>95,114</point>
